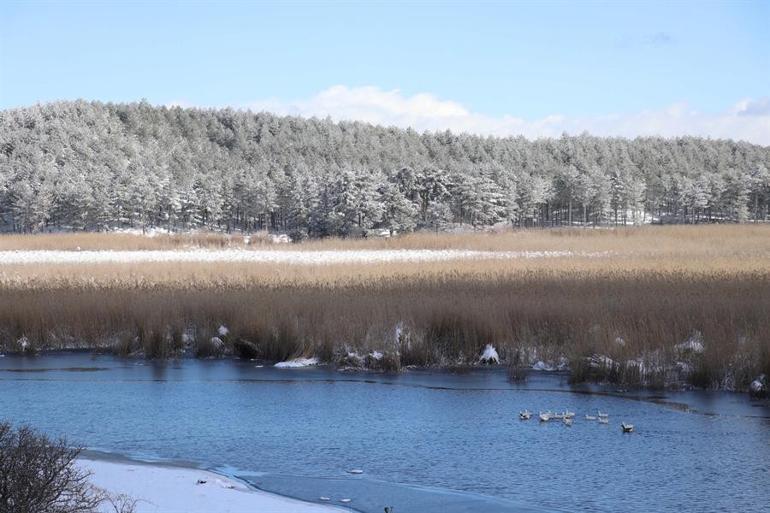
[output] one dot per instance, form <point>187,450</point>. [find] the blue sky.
<point>570,64</point>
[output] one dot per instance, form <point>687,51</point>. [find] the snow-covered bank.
<point>166,489</point>
<point>297,363</point>
<point>273,256</point>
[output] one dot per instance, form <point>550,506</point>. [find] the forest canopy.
<point>98,166</point>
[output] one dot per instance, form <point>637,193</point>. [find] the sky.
<point>537,68</point>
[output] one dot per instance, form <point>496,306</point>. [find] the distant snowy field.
<point>274,256</point>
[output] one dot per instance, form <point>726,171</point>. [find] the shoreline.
<point>171,488</point>
<point>298,364</point>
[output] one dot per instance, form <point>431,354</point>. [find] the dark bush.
<point>38,475</point>
<point>245,349</point>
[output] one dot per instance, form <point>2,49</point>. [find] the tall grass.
<point>425,320</point>
<point>131,241</point>
<point>620,318</point>
<point>671,239</point>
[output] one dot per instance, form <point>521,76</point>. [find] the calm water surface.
<point>427,441</point>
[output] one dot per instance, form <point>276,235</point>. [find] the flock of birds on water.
<point>568,417</point>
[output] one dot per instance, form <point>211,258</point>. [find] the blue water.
<point>427,441</point>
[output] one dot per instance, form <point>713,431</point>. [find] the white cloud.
<point>751,107</point>
<point>747,120</point>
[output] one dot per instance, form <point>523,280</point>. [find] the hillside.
<point>95,166</point>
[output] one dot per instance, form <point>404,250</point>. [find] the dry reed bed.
<point>663,287</point>
<point>679,239</point>
<point>422,319</point>
<point>238,275</point>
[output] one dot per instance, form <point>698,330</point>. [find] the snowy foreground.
<point>273,256</point>
<point>165,489</point>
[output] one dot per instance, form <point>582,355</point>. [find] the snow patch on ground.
<point>148,232</point>
<point>275,256</point>
<point>758,387</point>
<point>683,368</point>
<point>280,239</point>
<point>161,489</point>
<point>489,355</point>
<point>694,344</point>
<point>297,363</point>
<point>352,359</point>
<point>600,360</point>
<point>560,364</point>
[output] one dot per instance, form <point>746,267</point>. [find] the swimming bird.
<point>627,428</point>
<point>525,415</point>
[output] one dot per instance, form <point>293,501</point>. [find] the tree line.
<point>98,166</point>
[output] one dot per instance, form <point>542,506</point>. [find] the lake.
<point>427,441</point>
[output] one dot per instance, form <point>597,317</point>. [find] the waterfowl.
<point>525,415</point>
<point>604,420</point>
<point>568,421</point>
<point>627,428</point>
<point>545,417</point>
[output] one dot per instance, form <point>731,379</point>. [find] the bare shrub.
<point>245,349</point>
<point>121,503</point>
<point>38,475</point>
